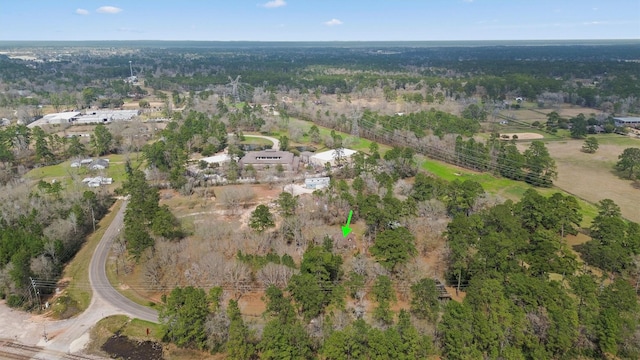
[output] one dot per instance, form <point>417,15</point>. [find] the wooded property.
<point>491,203</point>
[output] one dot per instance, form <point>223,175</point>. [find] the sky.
<point>319,20</point>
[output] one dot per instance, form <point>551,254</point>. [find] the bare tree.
<point>238,277</point>
<point>217,329</point>
<point>43,267</point>
<point>275,274</point>
<point>232,197</point>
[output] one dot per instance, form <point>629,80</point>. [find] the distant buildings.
<point>97,164</point>
<point>91,117</point>
<point>56,119</point>
<point>106,116</point>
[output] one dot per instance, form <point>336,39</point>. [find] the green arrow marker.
<point>346,229</point>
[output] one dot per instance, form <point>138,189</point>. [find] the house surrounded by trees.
<point>267,158</point>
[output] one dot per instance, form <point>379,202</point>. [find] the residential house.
<point>99,164</point>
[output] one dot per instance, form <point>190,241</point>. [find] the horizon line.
<point>272,41</point>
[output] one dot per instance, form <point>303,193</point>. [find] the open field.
<point>523,135</point>
<point>64,172</point>
<point>592,176</point>
<point>504,188</point>
<point>569,111</point>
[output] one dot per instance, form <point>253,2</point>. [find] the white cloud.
<point>108,10</point>
<point>82,12</point>
<point>274,4</point>
<point>333,22</point>
<point>468,1</point>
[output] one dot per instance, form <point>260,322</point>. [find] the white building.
<point>331,157</point>
<point>97,181</point>
<point>317,183</point>
<point>99,164</point>
<point>106,116</point>
<point>55,119</point>
<point>217,159</point>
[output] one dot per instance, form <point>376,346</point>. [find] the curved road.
<point>276,142</point>
<point>98,274</point>
<point>52,339</point>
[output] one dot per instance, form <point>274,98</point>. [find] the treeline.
<point>437,122</point>
<point>22,148</point>
<point>145,220</point>
<point>299,321</point>
<point>493,73</point>
<point>534,165</point>
<point>41,229</point>
<point>526,297</point>
<point>527,294</point>
<point>196,133</point>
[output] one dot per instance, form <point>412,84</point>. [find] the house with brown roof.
<point>270,158</point>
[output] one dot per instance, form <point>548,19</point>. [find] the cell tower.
<point>131,69</point>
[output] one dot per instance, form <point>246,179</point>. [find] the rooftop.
<point>628,119</point>
<point>269,156</point>
<point>331,154</point>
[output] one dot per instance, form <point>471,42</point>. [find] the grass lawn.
<point>507,188</point>
<point>135,329</point>
<point>249,140</point>
<point>79,289</point>
<point>615,139</point>
<point>64,170</point>
<point>129,293</point>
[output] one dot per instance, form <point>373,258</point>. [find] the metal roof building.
<point>627,121</point>
<point>55,118</point>
<point>106,116</point>
<point>330,157</point>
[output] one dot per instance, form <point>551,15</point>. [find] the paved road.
<point>98,274</point>
<point>70,336</point>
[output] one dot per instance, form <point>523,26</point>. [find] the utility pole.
<point>36,291</point>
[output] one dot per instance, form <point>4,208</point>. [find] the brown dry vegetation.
<point>219,230</point>
<point>592,176</point>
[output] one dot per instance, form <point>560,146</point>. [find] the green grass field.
<point>64,172</point>
<point>506,188</point>
<point>255,140</point>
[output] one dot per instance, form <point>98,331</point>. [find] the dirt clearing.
<point>523,136</point>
